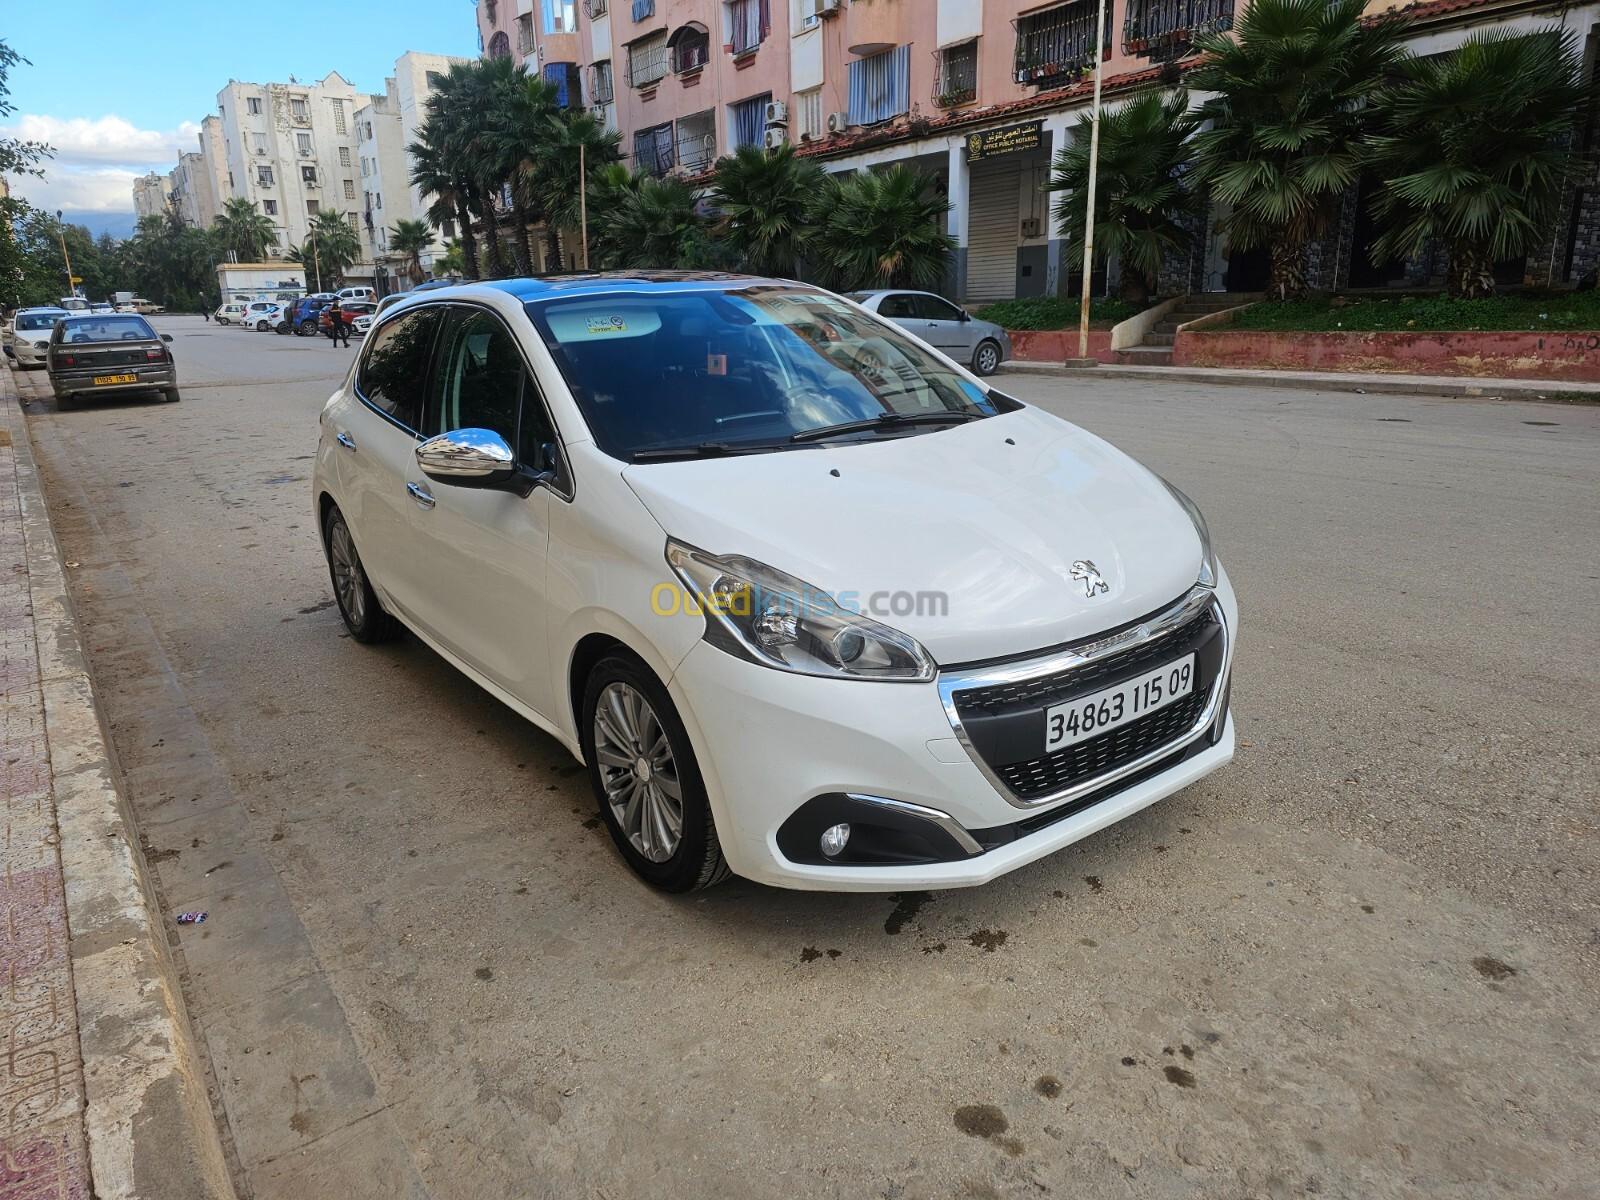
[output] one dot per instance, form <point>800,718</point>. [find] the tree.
<point>244,230</point>
<point>411,238</point>
<point>434,174</point>
<point>17,157</point>
<point>1474,148</point>
<point>767,202</point>
<point>452,262</point>
<point>1287,122</point>
<point>1144,187</point>
<point>651,223</point>
<point>882,229</point>
<point>554,180</point>
<point>514,145</point>
<point>330,246</point>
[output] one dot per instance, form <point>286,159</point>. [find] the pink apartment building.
<point>979,94</point>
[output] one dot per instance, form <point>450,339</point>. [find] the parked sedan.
<point>814,605</point>
<point>982,345</point>
<point>113,354</point>
<point>30,334</point>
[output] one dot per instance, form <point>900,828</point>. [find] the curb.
<point>151,1130</point>
<point>1396,385</point>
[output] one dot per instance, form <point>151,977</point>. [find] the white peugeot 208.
<point>812,603</point>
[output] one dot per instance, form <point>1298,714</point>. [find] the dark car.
<point>110,353</point>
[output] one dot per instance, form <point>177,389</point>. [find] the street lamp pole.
<point>1094,163</point>
<point>61,230</point>
<point>583,205</point>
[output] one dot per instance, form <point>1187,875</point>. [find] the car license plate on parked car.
<point>1102,711</point>
<point>116,379</point>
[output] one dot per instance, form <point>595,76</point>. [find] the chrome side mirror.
<point>467,456</point>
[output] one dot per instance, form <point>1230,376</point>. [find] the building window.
<point>1055,45</point>
<point>263,175</point>
<point>308,175</point>
<point>600,83</point>
<point>643,10</point>
<point>344,156</point>
<point>338,116</point>
<point>258,142</point>
<point>355,222</point>
<point>595,8</point>
<point>500,45</point>
<point>489,7</point>
<point>564,77</point>
<point>270,207</point>
<point>349,189</point>
<point>697,141</point>
<point>433,78</point>
<point>302,143</point>
<point>252,105</point>
<point>803,15</point>
<point>749,22</point>
<point>312,207</point>
<point>380,200</point>
<point>956,80</point>
<point>525,34</point>
<point>648,60</point>
<point>559,16</point>
<point>297,108</point>
<point>808,113</point>
<point>748,120</point>
<point>653,149</point>
<point>880,86</point>
<point>691,47</point>
<point>1162,30</point>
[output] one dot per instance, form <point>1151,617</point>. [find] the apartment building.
<point>381,161</point>
<point>150,194</point>
<point>977,94</point>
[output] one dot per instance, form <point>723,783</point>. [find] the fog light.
<point>834,838</point>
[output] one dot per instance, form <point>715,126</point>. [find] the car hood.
<point>964,538</point>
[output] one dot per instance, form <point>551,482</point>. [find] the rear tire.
<point>669,841</point>
<point>352,591</point>
<point>172,395</point>
<point>986,358</point>
<point>262,326</point>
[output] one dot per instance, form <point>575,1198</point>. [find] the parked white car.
<point>982,345</point>
<point>231,313</point>
<point>30,334</point>
<point>262,315</point>
<point>813,603</point>
<point>357,293</point>
<point>362,325</point>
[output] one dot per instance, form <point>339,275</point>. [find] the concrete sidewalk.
<point>103,1095</point>
<point>1332,381</point>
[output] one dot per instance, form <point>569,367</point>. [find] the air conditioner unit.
<point>1030,226</point>
<point>775,138</point>
<point>305,153</point>
<point>261,150</point>
<point>827,8</point>
<point>777,112</point>
<point>838,122</point>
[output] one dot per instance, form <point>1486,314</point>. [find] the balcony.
<point>1056,46</point>
<point>955,75</point>
<point>1165,29</point>
<point>697,142</point>
<point>648,64</point>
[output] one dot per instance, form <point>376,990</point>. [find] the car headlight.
<point>1208,557</point>
<point>41,345</point>
<point>761,614</point>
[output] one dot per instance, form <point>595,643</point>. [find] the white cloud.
<point>95,161</point>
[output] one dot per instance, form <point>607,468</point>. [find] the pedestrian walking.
<point>336,327</point>
<point>205,312</point>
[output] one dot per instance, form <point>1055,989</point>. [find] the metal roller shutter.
<point>992,234</point>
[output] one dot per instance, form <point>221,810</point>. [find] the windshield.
<point>44,320</point>
<point>106,329</point>
<point>744,370</point>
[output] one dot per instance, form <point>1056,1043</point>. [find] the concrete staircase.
<point>1156,349</point>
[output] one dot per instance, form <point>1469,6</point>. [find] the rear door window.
<point>394,369</point>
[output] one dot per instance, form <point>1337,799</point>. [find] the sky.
<point>119,87</point>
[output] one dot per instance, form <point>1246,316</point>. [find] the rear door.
<point>900,307</point>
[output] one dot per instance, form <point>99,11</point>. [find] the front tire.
<point>358,603</point>
<point>306,328</point>
<point>986,358</point>
<point>644,776</point>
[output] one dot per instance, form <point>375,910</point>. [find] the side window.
<point>932,308</point>
<point>480,382</point>
<point>396,363</point>
<point>896,306</point>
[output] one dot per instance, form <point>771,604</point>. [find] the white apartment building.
<point>290,149</point>
<point>150,194</point>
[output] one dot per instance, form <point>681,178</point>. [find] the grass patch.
<point>1051,312</point>
<point>1519,312</point>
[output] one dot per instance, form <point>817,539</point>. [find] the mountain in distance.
<point>118,224</point>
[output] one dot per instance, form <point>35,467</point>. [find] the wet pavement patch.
<point>906,907</point>
<point>988,940</point>
<point>1493,968</point>
<point>1047,1086</point>
<point>981,1120</point>
<point>1177,1075</point>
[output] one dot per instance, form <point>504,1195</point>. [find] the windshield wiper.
<point>888,420</point>
<point>700,450</point>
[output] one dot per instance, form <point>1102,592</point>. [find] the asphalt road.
<point>1361,962</point>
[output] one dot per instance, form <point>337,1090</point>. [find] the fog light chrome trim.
<point>942,819</point>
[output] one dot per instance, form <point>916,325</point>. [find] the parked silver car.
<point>956,332</point>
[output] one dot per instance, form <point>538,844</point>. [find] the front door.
<point>947,326</point>
<point>483,597</point>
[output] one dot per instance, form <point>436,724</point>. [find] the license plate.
<point>116,379</point>
<point>1102,711</point>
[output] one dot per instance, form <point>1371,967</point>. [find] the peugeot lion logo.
<point>1085,571</point>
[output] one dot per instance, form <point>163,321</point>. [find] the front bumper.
<point>770,743</point>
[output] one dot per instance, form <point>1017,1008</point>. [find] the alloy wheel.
<point>988,360</point>
<point>638,772</point>
<point>348,579</point>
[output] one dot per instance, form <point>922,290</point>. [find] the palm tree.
<point>554,180</point>
<point>883,229</point>
<point>612,188</point>
<point>435,176</point>
<point>1144,188</point>
<point>1287,122</point>
<point>1474,148</point>
<point>657,225</point>
<point>524,115</point>
<point>452,262</point>
<point>766,201</point>
<point>411,238</point>
<point>244,230</point>
<point>474,99</point>
<point>330,246</point>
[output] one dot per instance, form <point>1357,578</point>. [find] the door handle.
<point>421,495</point>
<point>345,440</point>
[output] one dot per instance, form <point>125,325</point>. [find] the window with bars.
<point>653,149</point>
<point>349,189</point>
<point>748,120</point>
<point>691,47</point>
<point>252,105</point>
<point>600,86</point>
<point>525,34</point>
<point>264,175</point>
<point>338,116</point>
<point>594,8</point>
<point>880,86</point>
<point>353,221</point>
<point>270,207</point>
<point>1164,29</point>
<point>297,109</point>
<point>1057,45</point>
<point>749,22</point>
<point>302,143</point>
<point>313,207</point>
<point>648,60</point>
<point>697,141</point>
<point>808,113</point>
<point>956,80</point>
<point>344,156</point>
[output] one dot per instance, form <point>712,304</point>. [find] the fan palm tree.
<point>883,229</point>
<point>411,238</point>
<point>767,202</point>
<point>1287,120</point>
<point>243,229</point>
<point>1474,148</point>
<point>571,136</point>
<point>658,225</point>
<point>435,176</point>
<point>330,246</point>
<point>474,99</point>
<point>612,188</point>
<point>513,140</point>
<point>1143,192</point>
